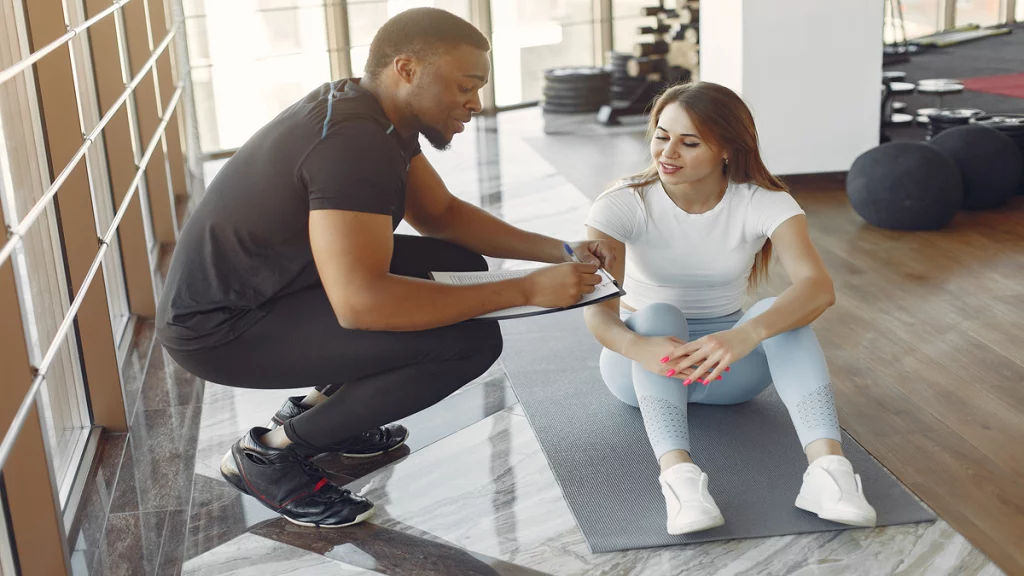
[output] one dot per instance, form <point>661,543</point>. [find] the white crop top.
<point>698,262</point>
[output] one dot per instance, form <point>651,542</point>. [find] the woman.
<point>692,234</point>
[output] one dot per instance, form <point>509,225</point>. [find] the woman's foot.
<point>833,491</point>
<point>689,506</point>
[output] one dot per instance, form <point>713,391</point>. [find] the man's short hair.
<point>420,32</point>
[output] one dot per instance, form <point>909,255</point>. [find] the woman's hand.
<point>600,252</point>
<point>651,351</point>
<point>707,357</point>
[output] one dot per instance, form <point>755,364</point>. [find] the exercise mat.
<point>598,450</point>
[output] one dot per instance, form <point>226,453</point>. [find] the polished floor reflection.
<point>472,493</point>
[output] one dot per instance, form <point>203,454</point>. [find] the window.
<point>6,550</point>
<point>627,18</point>
<point>39,264</point>
<point>529,37</point>
<point>365,17</point>
<point>250,60</point>
<point>980,12</point>
<point>920,18</point>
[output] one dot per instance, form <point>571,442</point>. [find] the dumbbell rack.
<point>670,53</point>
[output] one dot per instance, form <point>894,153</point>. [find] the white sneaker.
<point>833,492</point>
<point>689,506</point>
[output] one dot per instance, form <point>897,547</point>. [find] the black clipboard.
<point>537,311</point>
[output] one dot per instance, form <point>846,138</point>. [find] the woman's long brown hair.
<point>725,123</point>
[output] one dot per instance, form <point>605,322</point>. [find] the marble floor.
<point>472,492</point>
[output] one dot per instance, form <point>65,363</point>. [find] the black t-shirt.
<point>248,240</point>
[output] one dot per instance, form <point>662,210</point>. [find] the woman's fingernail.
<point>665,359</point>
<point>670,373</point>
<point>687,382</point>
<point>706,382</point>
<point>719,377</point>
<point>727,368</point>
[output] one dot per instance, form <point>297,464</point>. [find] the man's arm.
<point>433,211</point>
<point>352,251</point>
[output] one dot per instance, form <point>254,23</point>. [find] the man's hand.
<point>561,285</point>
<point>593,252</point>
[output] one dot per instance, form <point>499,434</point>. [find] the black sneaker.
<point>288,483</point>
<point>373,442</point>
<point>292,407</point>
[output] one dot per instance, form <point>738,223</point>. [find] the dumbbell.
<point>646,66</point>
<point>644,49</point>
<point>662,29</point>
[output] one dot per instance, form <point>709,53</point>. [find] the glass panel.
<point>6,550</point>
<point>624,32</point>
<point>39,271</point>
<point>250,60</point>
<point>980,12</point>
<point>367,16</point>
<point>920,18</point>
<point>99,177</point>
<point>530,37</point>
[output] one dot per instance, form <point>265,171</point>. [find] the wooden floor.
<point>926,349</point>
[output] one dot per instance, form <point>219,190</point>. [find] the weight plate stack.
<point>622,86</point>
<point>1010,124</point>
<point>947,118</point>
<point>575,90</point>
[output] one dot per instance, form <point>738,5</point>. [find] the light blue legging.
<point>792,360</point>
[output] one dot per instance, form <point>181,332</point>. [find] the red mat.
<point>1005,85</point>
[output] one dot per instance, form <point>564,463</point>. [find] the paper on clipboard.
<point>605,290</point>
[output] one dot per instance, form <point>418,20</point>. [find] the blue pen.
<point>572,254</point>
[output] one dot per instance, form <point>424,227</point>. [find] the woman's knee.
<point>616,371</point>
<point>659,319</point>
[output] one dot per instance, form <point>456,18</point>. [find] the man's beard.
<point>436,138</point>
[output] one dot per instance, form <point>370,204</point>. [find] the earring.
<point>726,161</point>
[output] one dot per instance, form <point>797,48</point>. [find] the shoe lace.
<point>323,486</point>
<point>374,434</point>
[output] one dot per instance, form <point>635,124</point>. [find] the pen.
<point>572,254</point>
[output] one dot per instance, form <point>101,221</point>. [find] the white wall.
<point>810,70</point>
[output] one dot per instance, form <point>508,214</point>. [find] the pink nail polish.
<point>727,368</point>
<point>665,359</point>
<point>719,377</point>
<point>687,382</point>
<point>670,373</point>
<point>706,382</point>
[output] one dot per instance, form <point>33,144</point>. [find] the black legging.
<point>371,377</point>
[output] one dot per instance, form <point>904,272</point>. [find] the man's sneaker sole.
<point>361,518</point>
<point>395,447</point>
<point>839,516</point>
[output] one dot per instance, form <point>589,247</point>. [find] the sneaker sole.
<point>697,526</point>
<point>361,518</point>
<point>395,447</point>
<point>836,516</point>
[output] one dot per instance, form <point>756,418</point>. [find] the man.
<point>289,273</point>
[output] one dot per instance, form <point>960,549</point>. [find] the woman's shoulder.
<point>760,197</point>
<point>625,192</point>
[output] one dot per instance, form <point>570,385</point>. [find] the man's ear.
<point>405,67</point>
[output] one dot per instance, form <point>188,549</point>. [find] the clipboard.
<point>606,290</point>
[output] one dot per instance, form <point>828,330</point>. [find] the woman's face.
<point>682,156</point>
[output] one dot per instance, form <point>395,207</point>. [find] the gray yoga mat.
<point>598,450</point>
